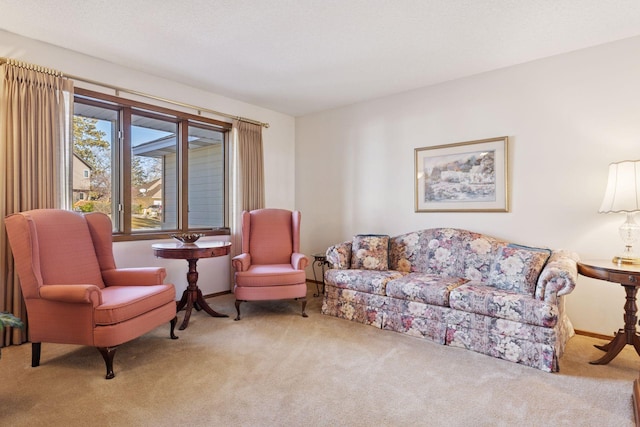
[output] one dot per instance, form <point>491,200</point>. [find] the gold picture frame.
<point>471,176</point>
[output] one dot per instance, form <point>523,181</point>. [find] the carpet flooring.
<point>276,368</point>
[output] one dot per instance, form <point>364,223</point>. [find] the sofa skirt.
<point>535,346</point>
<point>504,339</point>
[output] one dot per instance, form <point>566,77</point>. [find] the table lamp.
<point>623,195</point>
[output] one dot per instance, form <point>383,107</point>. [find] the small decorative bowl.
<point>187,237</point>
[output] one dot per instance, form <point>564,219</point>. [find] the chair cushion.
<point>516,268</point>
<point>270,275</point>
<point>121,303</point>
<point>370,252</point>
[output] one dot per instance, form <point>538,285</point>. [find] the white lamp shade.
<point>623,188</point>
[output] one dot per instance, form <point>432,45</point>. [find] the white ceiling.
<point>303,56</point>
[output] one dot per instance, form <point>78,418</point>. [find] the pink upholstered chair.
<point>73,291</point>
<point>271,266</point>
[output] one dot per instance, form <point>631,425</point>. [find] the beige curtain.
<point>250,166</point>
<point>35,160</point>
<point>247,176</point>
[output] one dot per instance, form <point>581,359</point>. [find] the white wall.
<point>567,118</point>
<point>279,142</point>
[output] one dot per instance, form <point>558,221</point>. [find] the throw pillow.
<point>370,252</point>
<point>516,268</point>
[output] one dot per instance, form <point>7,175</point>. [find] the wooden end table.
<point>192,252</point>
<point>628,275</point>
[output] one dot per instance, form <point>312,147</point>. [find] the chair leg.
<point>304,305</point>
<point>174,321</point>
<point>107,355</point>
<point>238,309</point>
<point>36,348</point>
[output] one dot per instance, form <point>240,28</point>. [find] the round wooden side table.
<point>627,275</point>
<point>192,252</point>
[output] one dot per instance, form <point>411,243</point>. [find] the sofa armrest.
<point>241,262</point>
<point>558,277</point>
<point>79,294</point>
<point>136,276</point>
<point>339,255</point>
<point>299,261</point>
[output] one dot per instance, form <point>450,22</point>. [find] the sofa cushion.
<point>516,268</point>
<point>475,297</point>
<point>370,252</point>
<point>427,288</point>
<point>369,281</point>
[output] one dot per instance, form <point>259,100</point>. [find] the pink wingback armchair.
<point>271,266</point>
<point>73,291</point>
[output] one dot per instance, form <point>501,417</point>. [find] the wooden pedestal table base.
<point>192,252</point>
<point>625,336</point>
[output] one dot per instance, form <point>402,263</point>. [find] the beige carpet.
<point>275,368</point>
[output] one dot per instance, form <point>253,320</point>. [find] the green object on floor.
<point>8,319</point>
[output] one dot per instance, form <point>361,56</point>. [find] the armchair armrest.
<point>299,261</point>
<point>144,276</point>
<point>558,277</point>
<point>241,262</point>
<point>339,255</point>
<point>80,294</point>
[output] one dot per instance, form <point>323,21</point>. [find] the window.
<point>206,172</point>
<point>154,171</point>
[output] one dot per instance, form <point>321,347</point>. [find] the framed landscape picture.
<point>467,176</point>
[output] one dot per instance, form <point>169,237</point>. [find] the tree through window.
<point>151,169</point>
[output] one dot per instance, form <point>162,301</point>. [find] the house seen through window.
<point>152,170</point>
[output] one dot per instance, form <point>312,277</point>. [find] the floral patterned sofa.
<point>457,288</point>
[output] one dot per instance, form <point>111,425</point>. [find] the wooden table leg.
<point>204,306</point>
<point>624,336</point>
<point>192,297</point>
<point>613,348</point>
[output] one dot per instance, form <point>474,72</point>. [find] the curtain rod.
<point>32,67</point>
<point>130,91</point>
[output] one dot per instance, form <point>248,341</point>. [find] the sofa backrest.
<point>448,252</point>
